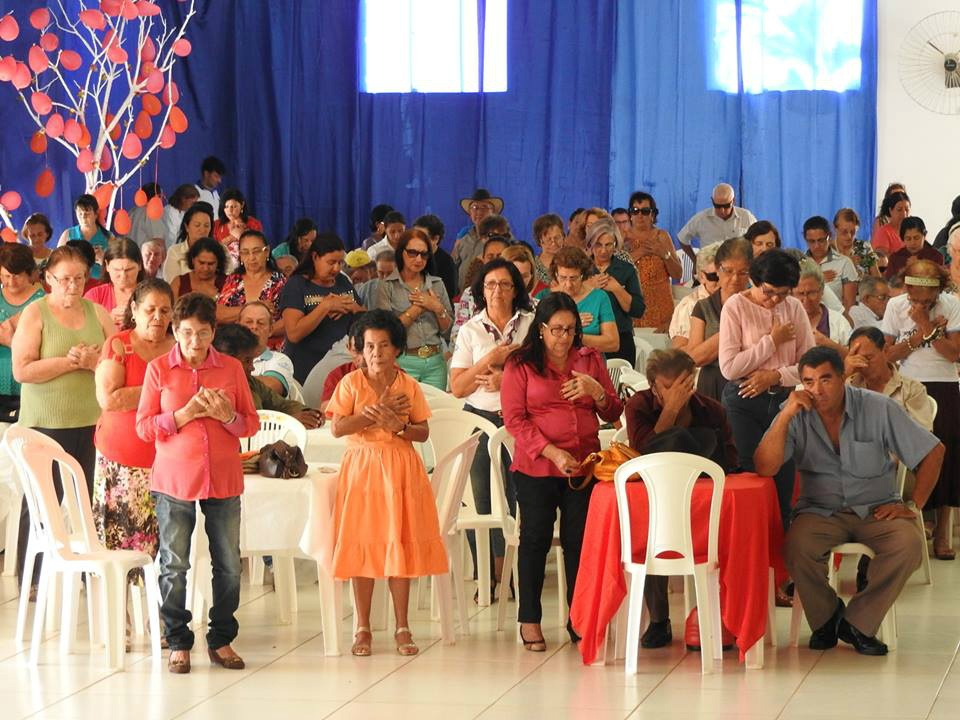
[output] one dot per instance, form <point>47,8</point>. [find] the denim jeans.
<point>175,523</point>
<point>480,482</point>
<point>749,419</point>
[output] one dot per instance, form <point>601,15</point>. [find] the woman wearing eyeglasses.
<point>256,278</point>
<point>420,300</point>
<point>548,234</point>
<point>656,259</point>
<point>618,279</point>
<point>552,391</point>
<point>732,264</point>
<point>570,268</point>
<point>763,332</point>
<point>55,351</point>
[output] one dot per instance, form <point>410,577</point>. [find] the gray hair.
<point>723,190</point>
<point>155,241</point>
<point>868,286</point>
<point>809,269</point>
<point>601,227</point>
<point>707,256</point>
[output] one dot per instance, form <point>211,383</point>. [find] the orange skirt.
<point>386,516</point>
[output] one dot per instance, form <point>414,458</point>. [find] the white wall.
<point>914,145</point>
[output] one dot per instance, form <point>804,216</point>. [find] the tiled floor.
<point>487,675</point>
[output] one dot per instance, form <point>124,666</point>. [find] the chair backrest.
<point>295,392</point>
<point>633,379</point>
<point>276,426</point>
<point>606,437</point>
<point>669,479</point>
<point>448,428</point>
<point>644,348</point>
<point>452,472</point>
<point>438,399</point>
<point>498,494</point>
<point>621,436</point>
<point>614,366</point>
<point>901,468</point>
<point>13,441</point>
<point>933,408</point>
<point>57,518</point>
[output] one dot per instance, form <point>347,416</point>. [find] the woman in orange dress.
<point>386,517</point>
<point>652,251</point>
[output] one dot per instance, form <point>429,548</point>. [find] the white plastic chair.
<point>633,379</point>
<point>276,426</point>
<point>614,366</point>
<point>621,436</point>
<point>500,439</point>
<point>452,470</point>
<point>669,480</point>
<point>439,399</point>
<point>62,554</point>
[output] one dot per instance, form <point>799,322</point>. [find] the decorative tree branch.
<point>111,89</point>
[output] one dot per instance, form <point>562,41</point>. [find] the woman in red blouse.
<point>122,506</point>
<point>256,278</point>
<point>552,390</point>
<point>194,406</point>
<point>232,220</point>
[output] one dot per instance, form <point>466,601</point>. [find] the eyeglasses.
<point>711,277</point>
<point>769,292</point>
<point>879,296</point>
<point>66,281</point>
<point>559,331</point>
<point>641,211</point>
<point>249,253</point>
<point>498,237</point>
<point>738,273</point>
<point>723,206</point>
<point>425,254</point>
<point>803,294</point>
<point>569,278</point>
<point>492,285</point>
<point>481,206</point>
<point>188,335</point>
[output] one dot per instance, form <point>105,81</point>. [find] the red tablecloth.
<point>750,541</point>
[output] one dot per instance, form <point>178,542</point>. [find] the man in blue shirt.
<point>842,439</point>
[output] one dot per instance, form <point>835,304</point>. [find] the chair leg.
<point>689,599</point>
<point>454,542</point>
<point>888,628</point>
<point>115,581</point>
<point>441,585</point>
<point>771,633</point>
<point>833,575</point>
<point>24,605</point>
<point>483,567</point>
<point>39,612</point>
<point>152,592</point>
<point>68,620</point>
<point>53,602</point>
<point>927,573</point>
<point>257,567</point>
<point>705,616</point>
<point>285,580</point>
<point>716,621</point>
<point>136,610</point>
<point>12,540</point>
<point>508,575</point>
<point>561,587</point>
<point>634,618</point>
<point>796,617</point>
<point>331,610</point>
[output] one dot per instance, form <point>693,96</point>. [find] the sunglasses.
<point>723,206</point>
<point>712,277</point>
<point>502,238</point>
<point>642,211</point>
<point>425,254</point>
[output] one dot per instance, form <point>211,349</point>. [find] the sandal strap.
<point>400,630</point>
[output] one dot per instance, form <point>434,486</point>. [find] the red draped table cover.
<point>749,544</point>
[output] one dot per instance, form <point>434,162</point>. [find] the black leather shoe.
<point>862,568</point>
<point>574,638</point>
<point>657,635</point>
<point>863,644</point>
<point>825,637</point>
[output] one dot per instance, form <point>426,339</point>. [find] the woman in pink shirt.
<point>124,266</point>
<point>194,406</point>
<point>763,332</point>
<point>551,392</point>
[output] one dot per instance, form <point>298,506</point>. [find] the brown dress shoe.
<point>180,666</point>
<point>230,663</point>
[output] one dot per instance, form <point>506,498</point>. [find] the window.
<point>433,46</point>
<point>788,45</point>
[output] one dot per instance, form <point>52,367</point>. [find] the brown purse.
<point>280,460</point>
<point>603,464</point>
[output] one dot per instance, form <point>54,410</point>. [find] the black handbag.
<point>280,460</point>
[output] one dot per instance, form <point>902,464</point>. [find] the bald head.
<point>723,200</point>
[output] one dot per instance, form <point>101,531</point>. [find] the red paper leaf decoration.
<point>117,55</point>
<point>111,7</point>
<point>121,221</point>
<point>37,59</point>
<point>9,30</point>
<point>84,136</point>
<point>8,67</point>
<point>131,147</point>
<point>155,81</point>
<point>38,142</point>
<point>171,94</point>
<point>147,8</point>
<point>22,77</point>
<point>10,200</point>
<point>106,161</point>
<point>39,18</point>
<point>85,160</point>
<point>148,51</point>
<point>49,41</point>
<point>103,195</point>
<point>45,183</point>
<point>8,235</point>
<point>72,131</point>
<point>143,126</point>
<point>151,104</point>
<point>182,47</point>
<point>93,19</point>
<point>178,121</point>
<point>55,125</point>
<point>41,103</point>
<point>168,138</point>
<point>70,60</point>
<point>155,208</point>
<point>139,198</point>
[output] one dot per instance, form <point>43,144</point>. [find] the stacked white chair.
<point>669,480</point>
<point>70,555</point>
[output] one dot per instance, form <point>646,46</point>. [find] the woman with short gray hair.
<point>619,280</point>
<point>830,328</point>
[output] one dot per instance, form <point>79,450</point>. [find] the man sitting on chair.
<point>842,438</point>
<point>672,417</point>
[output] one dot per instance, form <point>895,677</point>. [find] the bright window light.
<point>433,46</point>
<point>788,45</point>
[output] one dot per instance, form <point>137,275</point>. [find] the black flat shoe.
<point>539,645</point>
<point>574,638</point>
<point>657,635</point>
<point>863,644</point>
<point>825,637</point>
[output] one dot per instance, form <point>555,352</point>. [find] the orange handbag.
<point>602,465</point>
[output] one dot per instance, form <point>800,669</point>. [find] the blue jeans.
<point>431,370</point>
<point>175,523</point>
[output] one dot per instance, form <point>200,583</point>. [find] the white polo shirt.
<point>710,228</point>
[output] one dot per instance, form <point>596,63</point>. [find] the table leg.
<point>331,610</point>
<point>754,656</point>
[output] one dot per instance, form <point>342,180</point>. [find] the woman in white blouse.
<point>504,316</point>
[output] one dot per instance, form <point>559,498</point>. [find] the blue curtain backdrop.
<point>789,154</point>
<point>604,98</point>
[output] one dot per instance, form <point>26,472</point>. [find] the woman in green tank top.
<point>55,350</point>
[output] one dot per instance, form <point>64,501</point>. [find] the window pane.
<point>432,46</point>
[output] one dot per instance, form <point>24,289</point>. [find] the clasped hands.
<point>920,315</point>
<point>426,300</point>
<point>212,403</point>
<point>390,413</point>
<point>83,356</point>
<point>339,305</point>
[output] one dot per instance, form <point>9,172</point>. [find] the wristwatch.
<point>402,430</point>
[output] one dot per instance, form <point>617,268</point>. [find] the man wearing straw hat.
<point>469,244</point>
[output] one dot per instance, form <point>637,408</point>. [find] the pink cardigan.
<point>746,344</point>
